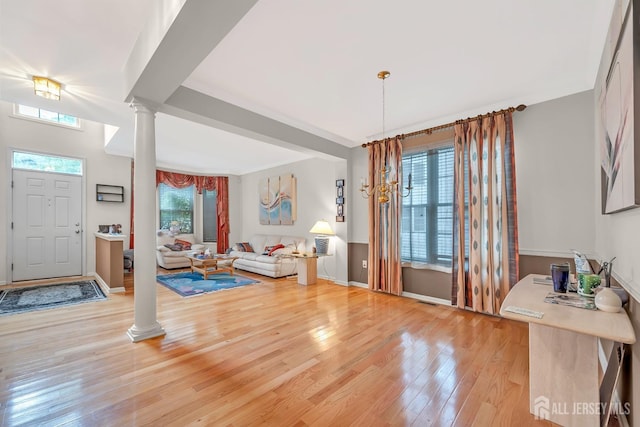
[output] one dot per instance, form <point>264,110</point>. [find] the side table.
<point>307,268</point>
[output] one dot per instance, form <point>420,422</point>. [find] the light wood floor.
<point>273,353</point>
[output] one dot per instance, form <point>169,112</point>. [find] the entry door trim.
<point>9,212</point>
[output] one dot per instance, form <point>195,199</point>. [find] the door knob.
<point>77,231</point>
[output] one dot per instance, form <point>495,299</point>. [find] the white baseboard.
<point>106,287</point>
<point>358,284</point>
<point>425,298</point>
<point>411,295</point>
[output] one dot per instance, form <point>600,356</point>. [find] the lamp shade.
<point>322,227</point>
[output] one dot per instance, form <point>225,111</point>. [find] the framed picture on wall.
<point>339,192</point>
<point>619,148</point>
<point>340,210</point>
<point>340,183</point>
<point>339,219</point>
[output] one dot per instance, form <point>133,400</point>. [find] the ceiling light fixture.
<point>384,188</point>
<point>46,88</point>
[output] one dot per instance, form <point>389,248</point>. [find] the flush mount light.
<point>46,88</point>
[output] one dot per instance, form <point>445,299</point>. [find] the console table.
<point>563,353</point>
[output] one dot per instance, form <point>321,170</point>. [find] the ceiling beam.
<point>196,106</point>
<point>175,40</point>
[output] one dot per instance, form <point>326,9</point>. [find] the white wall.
<point>617,235</point>
<point>101,168</point>
<point>316,200</point>
<point>358,205</point>
<point>555,183</point>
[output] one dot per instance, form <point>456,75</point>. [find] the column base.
<point>136,334</point>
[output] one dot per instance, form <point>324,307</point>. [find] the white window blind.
<point>176,205</point>
<point>427,213</point>
<point>209,216</point>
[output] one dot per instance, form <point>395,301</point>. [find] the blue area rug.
<point>190,284</point>
<point>32,298</point>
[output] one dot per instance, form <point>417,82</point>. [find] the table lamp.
<point>323,231</point>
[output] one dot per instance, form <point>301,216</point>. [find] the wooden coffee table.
<point>212,265</point>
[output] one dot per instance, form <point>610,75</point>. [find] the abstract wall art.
<point>616,111</point>
<point>277,200</point>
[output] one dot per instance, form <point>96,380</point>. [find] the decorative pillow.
<point>287,250</point>
<point>269,250</point>
<point>244,247</point>
<point>175,247</point>
<point>185,245</point>
<point>228,251</point>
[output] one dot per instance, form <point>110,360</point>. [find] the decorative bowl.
<point>607,300</point>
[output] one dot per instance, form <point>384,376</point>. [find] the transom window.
<point>46,163</point>
<point>47,116</point>
<point>427,213</point>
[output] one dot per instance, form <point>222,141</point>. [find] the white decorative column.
<point>144,181</point>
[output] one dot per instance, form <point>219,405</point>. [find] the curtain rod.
<point>429,131</point>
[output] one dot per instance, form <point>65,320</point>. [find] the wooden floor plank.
<point>272,353</point>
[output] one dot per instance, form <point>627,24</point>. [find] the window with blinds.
<point>427,213</point>
<point>209,216</point>
<point>176,207</point>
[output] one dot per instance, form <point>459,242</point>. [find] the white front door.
<point>47,234</point>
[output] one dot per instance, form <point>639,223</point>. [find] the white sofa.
<point>278,264</point>
<point>170,259</point>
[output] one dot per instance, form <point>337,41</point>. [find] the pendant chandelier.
<point>384,188</point>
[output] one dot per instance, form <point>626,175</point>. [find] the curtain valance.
<point>181,180</point>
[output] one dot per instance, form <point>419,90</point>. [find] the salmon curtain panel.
<point>485,240</point>
<point>210,183</point>
<point>385,270</point>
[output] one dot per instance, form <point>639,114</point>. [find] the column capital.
<point>141,105</point>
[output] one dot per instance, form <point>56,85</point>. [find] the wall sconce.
<point>46,88</point>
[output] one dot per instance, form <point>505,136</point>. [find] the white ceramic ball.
<point>608,300</point>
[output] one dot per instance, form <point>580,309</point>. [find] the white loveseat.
<point>279,264</point>
<point>168,258</point>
